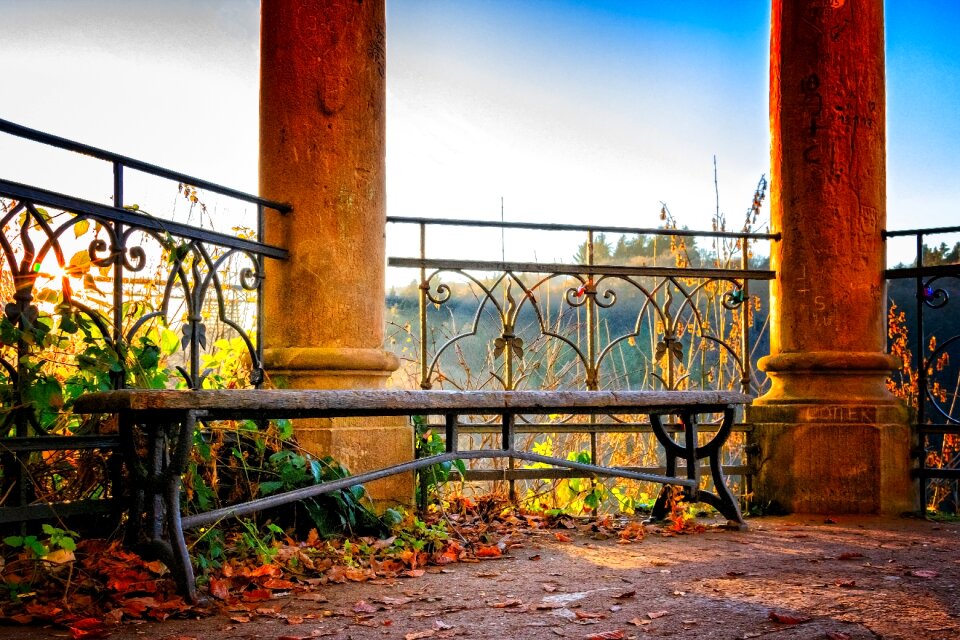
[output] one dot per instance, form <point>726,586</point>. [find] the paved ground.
<point>789,578</point>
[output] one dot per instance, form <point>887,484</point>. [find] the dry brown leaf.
<point>786,618</point>
<point>924,573</point>
<point>219,589</point>
<point>512,602</point>
<point>362,606</point>
<point>606,635</point>
<point>586,615</point>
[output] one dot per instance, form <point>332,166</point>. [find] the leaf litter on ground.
<point>109,584</point>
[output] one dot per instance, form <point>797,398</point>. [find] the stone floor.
<point>786,577</point>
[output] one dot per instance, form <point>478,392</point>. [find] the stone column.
<point>830,436</point>
<point>322,149</point>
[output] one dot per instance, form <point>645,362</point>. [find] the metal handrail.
<point>35,195</point>
<point>921,232</point>
<point>687,233</point>
<point>27,133</point>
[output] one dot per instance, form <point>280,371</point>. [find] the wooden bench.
<point>168,419</point>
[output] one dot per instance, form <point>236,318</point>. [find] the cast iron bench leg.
<point>156,495</point>
<point>182,569</point>
<point>721,498</point>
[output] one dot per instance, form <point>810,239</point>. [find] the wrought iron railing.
<point>94,294</point>
<point>680,317</point>
<point>924,334</point>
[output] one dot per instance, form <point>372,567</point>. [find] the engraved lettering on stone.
<point>840,414</point>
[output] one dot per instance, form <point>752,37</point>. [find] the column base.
<point>359,444</point>
<point>830,438</point>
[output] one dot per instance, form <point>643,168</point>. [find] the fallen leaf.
<point>88,628</point>
<point>639,622</point>
<point>219,588</point>
<point>534,557</point>
<point>586,615</point>
<point>257,595</point>
<point>512,602</point>
<point>924,573</point>
<point>849,555</point>
<point>491,551</point>
<point>60,556</point>
<point>278,584</point>
<point>845,583</point>
<point>562,537</point>
<point>786,618</point>
<point>312,597</point>
<point>414,573</point>
<point>625,595</point>
<point>362,606</point>
<point>653,615</point>
<point>157,567</point>
<point>265,570</point>
<point>606,635</point>
<point>416,635</point>
<point>837,635</point>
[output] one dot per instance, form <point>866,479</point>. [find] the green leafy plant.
<point>334,513</point>
<point>56,539</point>
<point>429,443</point>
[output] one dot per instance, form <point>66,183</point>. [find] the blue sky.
<point>569,111</point>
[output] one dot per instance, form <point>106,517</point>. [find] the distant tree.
<point>639,246</point>
<point>942,254</point>
<point>602,252</point>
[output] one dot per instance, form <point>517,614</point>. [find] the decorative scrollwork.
<point>251,277</point>
<point>440,297</point>
<point>733,299</point>
<point>606,299</point>
<point>935,298</point>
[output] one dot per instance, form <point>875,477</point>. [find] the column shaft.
<point>322,149</point>
<point>830,435</point>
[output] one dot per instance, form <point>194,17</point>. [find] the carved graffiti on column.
<point>812,110</point>
<point>378,52</point>
<point>840,414</point>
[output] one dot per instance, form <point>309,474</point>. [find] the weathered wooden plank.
<point>269,403</point>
